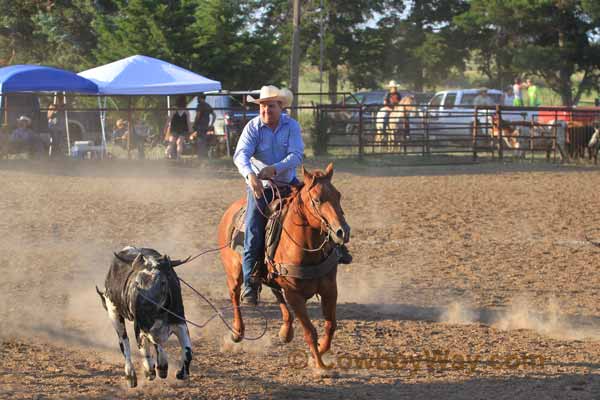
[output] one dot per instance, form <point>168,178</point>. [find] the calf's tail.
<point>101,298</point>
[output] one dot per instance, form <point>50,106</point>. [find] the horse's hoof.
<point>181,374</point>
<point>286,335</point>
<point>132,381</point>
<point>150,375</point>
<point>325,373</point>
<point>235,338</point>
<point>163,372</point>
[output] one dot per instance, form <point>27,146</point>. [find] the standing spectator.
<point>57,125</point>
<point>202,124</point>
<point>178,129</point>
<point>518,95</point>
<point>533,99</point>
<point>507,96</point>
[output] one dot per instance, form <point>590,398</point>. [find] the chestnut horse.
<point>312,228</point>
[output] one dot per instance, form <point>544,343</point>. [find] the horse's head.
<point>323,209</point>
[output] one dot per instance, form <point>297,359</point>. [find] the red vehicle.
<point>583,115</point>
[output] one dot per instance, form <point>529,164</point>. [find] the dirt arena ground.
<point>468,282</point>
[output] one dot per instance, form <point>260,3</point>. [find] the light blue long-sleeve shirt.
<point>259,146</point>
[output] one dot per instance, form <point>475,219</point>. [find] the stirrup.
<point>250,296</point>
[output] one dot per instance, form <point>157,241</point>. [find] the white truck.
<point>452,112</point>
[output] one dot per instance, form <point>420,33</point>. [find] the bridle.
<point>317,214</point>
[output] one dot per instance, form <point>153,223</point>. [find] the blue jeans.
<point>254,240</point>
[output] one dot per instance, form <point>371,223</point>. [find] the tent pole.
<point>102,125</point>
<point>5,101</point>
<point>67,124</point>
<point>129,128</point>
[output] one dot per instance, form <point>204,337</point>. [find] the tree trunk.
<point>295,62</point>
<point>419,80</point>
<point>333,83</point>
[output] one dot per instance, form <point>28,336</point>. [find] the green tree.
<point>425,43</point>
<point>55,33</point>
<point>149,27</point>
<point>235,45</point>
<point>347,37</point>
<point>556,40</point>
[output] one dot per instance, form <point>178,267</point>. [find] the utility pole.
<point>295,62</point>
<point>321,51</point>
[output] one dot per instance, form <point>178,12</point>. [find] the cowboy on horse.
<point>268,152</point>
<point>392,98</point>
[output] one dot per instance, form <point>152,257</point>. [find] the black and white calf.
<point>140,285</point>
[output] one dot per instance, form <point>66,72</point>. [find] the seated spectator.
<point>205,118</point>
<point>119,134</point>
<point>23,138</point>
<point>483,99</point>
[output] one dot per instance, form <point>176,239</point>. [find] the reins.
<point>277,213</point>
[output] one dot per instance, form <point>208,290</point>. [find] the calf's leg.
<point>149,363</point>
<point>119,324</point>
<point>163,362</point>
<point>183,335</point>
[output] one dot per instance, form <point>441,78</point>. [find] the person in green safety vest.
<point>533,98</point>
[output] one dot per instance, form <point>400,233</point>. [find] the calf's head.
<point>150,295</point>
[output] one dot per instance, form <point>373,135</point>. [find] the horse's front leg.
<point>298,304</point>
<point>235,289</point>
<point>286,332</point>
<point>328,292</point>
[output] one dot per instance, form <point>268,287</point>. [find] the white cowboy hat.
<point>272,93</point>
<point>392,83</point>
<point>24,118</point>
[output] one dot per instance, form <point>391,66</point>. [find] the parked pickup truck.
<point>452,113</point>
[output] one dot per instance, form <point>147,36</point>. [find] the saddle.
<point>275,212</point>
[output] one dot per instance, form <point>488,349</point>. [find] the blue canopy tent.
<point>38,78</point>
<point>141,75</point>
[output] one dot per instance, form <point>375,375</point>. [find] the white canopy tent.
<point>141,75</point>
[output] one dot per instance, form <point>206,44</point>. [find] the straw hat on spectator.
<point>24,118</point>
<point>121,123</point>
<point>273,93</point>
<point>392,84</point>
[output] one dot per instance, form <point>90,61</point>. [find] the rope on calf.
<point>218,313</point>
